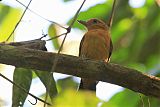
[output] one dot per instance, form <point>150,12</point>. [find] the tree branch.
<point>76,66</point>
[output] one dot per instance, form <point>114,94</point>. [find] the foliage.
<point>48,81</point>
<point>70,98</point>
<point>52,32</point>
<point>129,98</point>
<point>8,19</point>
<point>135,35</point>
<point>136,38</point>
<point>66,83</point>
<point>23,78</point>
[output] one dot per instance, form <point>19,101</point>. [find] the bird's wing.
<point>110,49</point>
<point>80,46</point>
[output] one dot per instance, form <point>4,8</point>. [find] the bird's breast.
<point>96,45</point>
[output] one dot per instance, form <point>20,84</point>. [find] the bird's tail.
<point>87,84</point>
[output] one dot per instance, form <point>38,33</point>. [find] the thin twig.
<point>23,89</point>
<point>33,103</point>
<point>40,15</point>
<point>56,36</point>
<point>112,14</point>
<point>57,57</point>
<point>54,66</point>
<point>19,20</point>
<point>76,15</point>
<point>44,35</point>
<point>69,28</point>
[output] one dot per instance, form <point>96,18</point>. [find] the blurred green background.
<point>136,39</point>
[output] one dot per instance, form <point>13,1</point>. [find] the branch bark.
<point>76,66</point>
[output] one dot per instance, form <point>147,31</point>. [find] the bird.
<point>96,44</point>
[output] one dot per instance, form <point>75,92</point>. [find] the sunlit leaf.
<point>72,98</point>
<point>52,33</point>
<point>23,78</point>
<point>9,18</point>
<point>138,12</point>
<point>121,28</point>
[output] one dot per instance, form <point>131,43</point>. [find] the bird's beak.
<point>82,22</point>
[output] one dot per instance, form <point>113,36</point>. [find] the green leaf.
<point>72,98</point>
<point>125,98</point>
<point>52,33</point>
<point>8,19</point>
<point>48,81</point>
<point>23,78</point>
<point>66,83</point>
<point>4,10</point>
<point>99,10</point>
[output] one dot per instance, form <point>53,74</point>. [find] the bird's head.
<point>94,24</point>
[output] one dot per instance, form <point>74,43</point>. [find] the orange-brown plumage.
<point>96,44</point>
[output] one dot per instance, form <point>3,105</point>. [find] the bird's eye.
<point>95,21</point>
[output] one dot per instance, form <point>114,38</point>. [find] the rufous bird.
<point>96,44</point>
